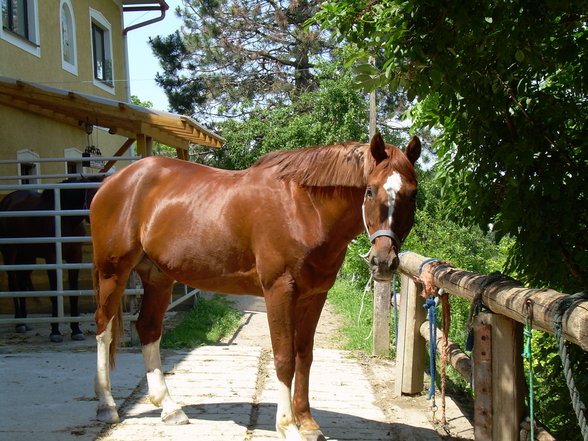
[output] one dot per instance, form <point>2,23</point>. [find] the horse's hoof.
<point>176,417</point>
<point>78,336</point>
<point>56,338</point>
<point>107,415</point>
<point>21,329</point>
<point>312,435</point>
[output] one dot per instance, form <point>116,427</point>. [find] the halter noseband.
<point>389,233</point>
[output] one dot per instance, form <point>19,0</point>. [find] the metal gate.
<point>58,240</point>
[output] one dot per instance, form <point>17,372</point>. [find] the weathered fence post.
<point>508,385</point>
<point>501,360</point>
<point>482,373</point>
<point>381,319</point>
<point>410,354</point>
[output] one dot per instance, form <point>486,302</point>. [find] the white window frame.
<point>73,152</point>
<point>30,156</point>
<point>32,45</point>
<point>98,19</point>
<point>70,66</point>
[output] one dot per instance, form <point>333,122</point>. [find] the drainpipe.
<point>162,7</point>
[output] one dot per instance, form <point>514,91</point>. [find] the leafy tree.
<point>505,83</point>
<point>231,54</point>
<point>335,112</point>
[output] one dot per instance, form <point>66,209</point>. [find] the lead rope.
<point>436,295</point>
<point>527,354</point>
<point>578,405</point>
<point>430,305</point>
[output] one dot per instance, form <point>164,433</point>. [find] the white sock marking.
<point>158,392</point>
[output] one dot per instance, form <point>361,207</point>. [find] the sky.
<point>143,65</point>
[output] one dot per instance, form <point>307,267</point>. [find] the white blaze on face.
<point>392,187</point>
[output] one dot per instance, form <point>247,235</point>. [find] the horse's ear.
<point>378,148</point>
<point>413,151</point>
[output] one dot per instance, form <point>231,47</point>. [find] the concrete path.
<point>228,392</point>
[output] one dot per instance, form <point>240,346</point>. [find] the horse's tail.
<point>117,333</point>
<point>117,327</point>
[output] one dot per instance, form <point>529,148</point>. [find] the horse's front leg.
<point>280,303</point>
<point>55,335</point>
<point>308,312</point>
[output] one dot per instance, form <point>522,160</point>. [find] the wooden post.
<point>381,319</point>
<point>508,383</point>
<point>482,364</point>
<point>141,145</point>
<point>498,378</point>
<point>149,146</point>
<point>381,314</point>
<point>410,355</point>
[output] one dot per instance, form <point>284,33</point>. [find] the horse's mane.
<point>336,165</point>
<point>346,165</point>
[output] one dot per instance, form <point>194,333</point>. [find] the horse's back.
<point>149,198</point>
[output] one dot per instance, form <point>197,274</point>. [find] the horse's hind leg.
<point>157,293</point>
<point>108,322</point>
<point>72,278</point>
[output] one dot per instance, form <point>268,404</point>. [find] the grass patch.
<point>347,301</point>
<point>209,321</point>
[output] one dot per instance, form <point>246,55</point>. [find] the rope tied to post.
<point>434,296</point>
<point>528,354</point>
<point>579,408</point>
<point>478,304</point>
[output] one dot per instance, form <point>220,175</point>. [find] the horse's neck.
<point>340,209</point>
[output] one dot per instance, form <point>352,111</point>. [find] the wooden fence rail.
<point>496,363</point>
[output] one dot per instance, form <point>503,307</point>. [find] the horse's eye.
<point>369,193</point>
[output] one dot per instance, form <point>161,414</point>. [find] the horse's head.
<point>390,203</point>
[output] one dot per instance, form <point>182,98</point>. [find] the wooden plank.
<point>381,319</point>
<point>508,298</point>
<point>410,354</point>
<point>123,148</point>
<point>508,386</point>
<point>482,355</point>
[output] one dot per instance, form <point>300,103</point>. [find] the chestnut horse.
<point>279,229</point>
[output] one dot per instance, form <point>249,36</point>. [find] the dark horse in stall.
<point>44,226</point>
<point>279,229</point>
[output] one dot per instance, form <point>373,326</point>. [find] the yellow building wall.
<point>46,137</point>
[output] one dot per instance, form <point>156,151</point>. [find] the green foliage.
<point>334,113</point>
<point>206,324</point>
<point>552,397</point>
<point>505,83</point>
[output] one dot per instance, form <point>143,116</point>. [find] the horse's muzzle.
<point>383,267</point>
